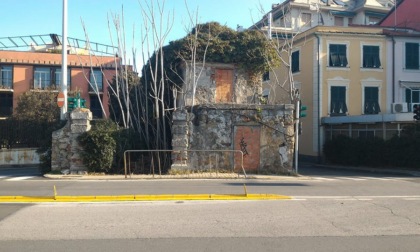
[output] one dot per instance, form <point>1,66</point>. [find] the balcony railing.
<point>372,107</point>
<point>6,83</point>
<point>338,108</point>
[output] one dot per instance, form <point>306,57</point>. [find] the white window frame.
<point>371,83</point>
<point>338,82</point>
<point>334,42</point>
<point>381,46</point>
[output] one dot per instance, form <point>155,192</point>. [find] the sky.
<point>40,17</point>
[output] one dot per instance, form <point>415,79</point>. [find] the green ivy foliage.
<point>250,49</point>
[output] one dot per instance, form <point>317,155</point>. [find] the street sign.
<point>60,99</point>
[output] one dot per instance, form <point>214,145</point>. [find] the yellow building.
<point>341,76</point>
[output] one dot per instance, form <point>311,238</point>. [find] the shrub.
<point>99,146</point>
<point>375,152</point>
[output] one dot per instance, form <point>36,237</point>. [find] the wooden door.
<point>224,84</point>
<point>247,139</point>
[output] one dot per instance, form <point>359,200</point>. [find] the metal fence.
<point>187,161</point>
<point>23,134</point>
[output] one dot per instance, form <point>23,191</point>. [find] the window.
<point>371,105</point>
<point>285,23</point>
<point>42,77</point>
<point>371,57</point>
<point>412,95</point>
<point>411,55</point>
<point>48,77</point>
<point>305,19</point>
<point>57,77</point>
<point>338,56</point>
<point>6,104</point>
<point>266,76</point>
<point>374,20</point>
<point>338,101</point>
<point>6,77</point>
<point>338,21</point>
<point>95,78</point>
<point>295,61</point>
<point>95,106</point>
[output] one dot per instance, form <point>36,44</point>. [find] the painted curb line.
<point>162,197</point>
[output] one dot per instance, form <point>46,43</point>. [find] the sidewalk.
<point>177,176</point>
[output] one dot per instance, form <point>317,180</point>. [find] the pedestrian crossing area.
<point>16,178</point>
<point>357,178</point>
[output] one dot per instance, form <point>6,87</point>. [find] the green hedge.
<point>403,151</point>
<point>104,146</point>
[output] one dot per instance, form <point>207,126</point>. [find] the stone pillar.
<point>80,123</point>
<point>180,135</point>
<point>66,150</point>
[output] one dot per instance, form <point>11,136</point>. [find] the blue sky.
<point>38,17</point>
<point>41,17</point>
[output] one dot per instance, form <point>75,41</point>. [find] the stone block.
<point>81,114</point>
<point>76,128</point>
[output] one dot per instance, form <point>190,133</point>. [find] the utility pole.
<point>296,150</point>
<point>64,62</point>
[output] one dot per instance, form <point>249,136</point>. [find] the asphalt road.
<point>329,211</point>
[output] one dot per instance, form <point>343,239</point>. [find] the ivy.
<point>249,49</point>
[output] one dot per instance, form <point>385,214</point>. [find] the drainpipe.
<point>270,18</point>
<point>319,100</point>
<point>393,69</point>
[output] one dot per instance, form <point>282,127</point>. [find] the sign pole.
<point>64,62</point>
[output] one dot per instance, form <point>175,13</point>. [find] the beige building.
<point>341,76</point>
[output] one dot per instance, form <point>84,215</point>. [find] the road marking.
<point>322,178</point>
<point>19,178</point>
<point>353,178</point>
<point>358,178</point>
<point>360,198</point>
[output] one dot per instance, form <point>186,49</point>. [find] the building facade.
<point>358,76</point>
<point>22,71</point>
<point>294,16</point>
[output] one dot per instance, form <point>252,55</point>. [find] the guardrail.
<point>179,152</point>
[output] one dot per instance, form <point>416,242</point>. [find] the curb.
<point>128,198</point>
<point>370,169</point>
<point>173,177</point>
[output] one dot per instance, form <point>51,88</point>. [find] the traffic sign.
<point>60,99</point>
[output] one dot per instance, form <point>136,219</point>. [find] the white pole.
<point>64,61</point>
<point>296,152</point>
<point>270,19</point>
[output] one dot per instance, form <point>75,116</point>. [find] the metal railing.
<point>179,152</point>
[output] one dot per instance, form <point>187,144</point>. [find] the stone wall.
<point>243,90</point>
<point>263,132</point>
<point>65,147</point>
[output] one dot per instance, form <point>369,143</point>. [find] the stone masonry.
<point>66,150</point>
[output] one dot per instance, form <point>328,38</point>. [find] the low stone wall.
<point>264,133</point>
<point>65,146</point>
<point>24,156</point>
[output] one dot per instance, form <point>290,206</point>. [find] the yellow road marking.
<point>158,197</point>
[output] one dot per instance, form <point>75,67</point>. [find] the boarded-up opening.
<point>247,139</point>
<point>224,83</point>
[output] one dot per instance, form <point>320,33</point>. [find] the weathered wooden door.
<point>247,139</point>
<point>224,85</point>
